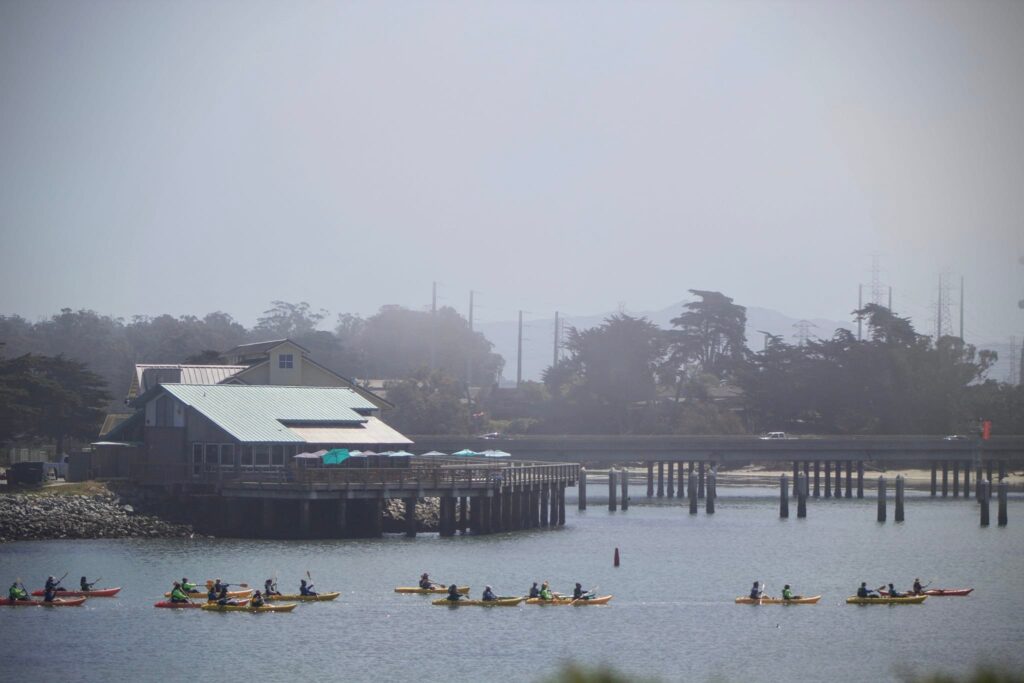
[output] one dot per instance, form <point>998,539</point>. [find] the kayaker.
<point>223,599</point>
<point>85,585</point>
<point>52,584</point>
<point>893,593</point>
<point>865,592</point>
<point>257,600</point>
<point>534,590</point>
<point>177,594</point>
<point>306,588</point>
<point>579,594</point>
<point>453,593</point>
<point>270,588</point>
<point>17,592</point>
<point>49,593</point>
<point>545,592</point>
<point>756,593</point>
<point>787,593</point>
<point>918,588</point>
<point>212,595</point>
<point>188,587</point>
<point>489,595</point>
<point>218,586</point>
<point>425,582</point>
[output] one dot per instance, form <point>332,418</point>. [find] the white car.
<point>773,435</point>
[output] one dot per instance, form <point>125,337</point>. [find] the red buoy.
<point>616,557</point>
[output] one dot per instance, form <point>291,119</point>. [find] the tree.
<point>284,320</point>
<point>712,334</point>
<point>428,403</point>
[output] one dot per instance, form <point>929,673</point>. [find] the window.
<point>277,456</point>
<point>197,459</point>
<point>164,412</point>
<point>227,456</point>
<point>212,457</point>
<point>261,454</point>
<point>286,361</point>
<point>247,458</point>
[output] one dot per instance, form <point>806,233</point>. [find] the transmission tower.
<point>943,319</point>
<point>876,281</point>
<point>803,331</point>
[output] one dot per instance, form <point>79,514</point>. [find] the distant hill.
<point>538,333</point>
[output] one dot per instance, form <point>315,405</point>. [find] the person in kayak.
<point>893,593</point>
<point>223,598</point>
<point>918,588</point>
<point>545,592</point>
<point>85,586</point>
<point>306,588</point>
<point>52,584</point>
<point>787,593</point>
<point>489,595</point>
<point>49,593</point>
<point>257,600</point>
<point>17,592</point>
<point>453,593</point>
<point>218,586</point>
<point>212,595</point>
<point>177,594</point>
<point>865,592</point>
<point>425,582</point>
<point>534,590</point>
<point>579,594</point>
<point>188,587</point>
<point>756,592</point>
<point>269,588</point>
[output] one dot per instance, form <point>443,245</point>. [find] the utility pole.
<point>558,341</point>
<point>860,306</point>
<point>961,308</point>
<point>519,353</point>
<point>938,313</point>
<point>890,298</point>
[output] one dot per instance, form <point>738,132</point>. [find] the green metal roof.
<point>260,413</point>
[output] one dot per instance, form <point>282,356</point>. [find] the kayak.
<point>322,597</point>
<point>203,595</point>
<point>500,602</point>
<point>463,590</point>
<point>214,607</point>
<point>57,602</point>
<point>948,592</point>
<point>167,604</point>
<point>101,593</point>
<point>603,600</point>
<point>813,600</point>
<point>906,600</point>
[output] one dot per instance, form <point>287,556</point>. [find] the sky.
<point>185,157</point>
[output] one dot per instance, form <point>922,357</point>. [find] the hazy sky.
<point>185,157</point>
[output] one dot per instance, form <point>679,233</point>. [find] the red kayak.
<point>948,592</point>
<point>57,602</point>
<point>190,605</point>
<point>101,593</point>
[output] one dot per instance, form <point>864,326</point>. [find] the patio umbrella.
<point>465,452</point>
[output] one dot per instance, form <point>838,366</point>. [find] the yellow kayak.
<point>214,607</point>
<point>500,602</point>
<point>463,590</point>
<point>906,600</point>
<point>322,597</point>
<point>603,600</point>
<point>747,600</point>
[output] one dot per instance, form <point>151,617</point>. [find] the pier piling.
<point>1003,493</point>
<point>612,474</point>
<point>801,496</point>
<point>881,499</point>
<point>661,479</point>
<point>700,479</point>
<point>899,497</point>
<point>977,479</point>
<point>709,503</point>
<point>933,479</point>
<point>839,479</point>
<point>967,480</point>
<point>581,489</point>
<point>984,490</point>
<point>849,479</point>
<point>796,478</point>
<point>784,497</point>
<point>828,479</point>
<point>817,479</point>
<point>945,478</point>
<point>681,483</point>
<point>625,488</point>
<point>650,480</point>
<point>410,517</point>
<point>545,504</point>
<point>692,491</point>
<point>671,479</point>
<point>860,478</point>
<point>956,478</point>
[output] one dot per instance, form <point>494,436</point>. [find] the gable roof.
<point>260,413</point>
<point>190,374</point>
<point>379,401</point>
<point>260,347</point>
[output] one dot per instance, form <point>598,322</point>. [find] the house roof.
<point>260,347</point>
<point>259,413</point>
<point>372,432</point>
<point>190,374</point>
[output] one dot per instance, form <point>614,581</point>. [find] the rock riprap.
<point>25,517</point>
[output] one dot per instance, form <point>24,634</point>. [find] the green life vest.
<point>177,594</point>
<point>787,594</point>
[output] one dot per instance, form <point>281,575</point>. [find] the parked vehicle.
<point>774,435</point>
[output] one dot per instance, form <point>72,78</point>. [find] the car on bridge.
<point>774,435</point>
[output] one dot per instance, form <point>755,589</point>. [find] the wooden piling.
<point>933,480</point>
<point>581,489</point>
<point>899,497</point>
<point>650,479</point>
<point>828,479</point>
<point>410,516</point>
<point>612,505</point>
<point>709,503</point>
<point>661,479</point>
<point>988,488</point>
<point>1004,487</point>
<point>817,479</point>
<point>977,479</point>
<point>849,479</point>
<point>801,496</point>
<point>463,514</point>
<point>984,490</point>
<point>784,497</point>
<point>625,488</point>
<point>1002,470</point>
<point>967,480</point>
<point>956,478</point>
<point>839,479</point>
<point>681,483</point>
<point>945,478</point>
<point>700,479</point>
<point>860,478</point>
<point>692,491</point>
<point>671,479</point>
<point>545,504</point>
<point>881,499</point>
<point>561,506</point>
<point>796,477</point>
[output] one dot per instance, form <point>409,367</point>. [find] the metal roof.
<point>259,413</point>
<point>373,431</point>
<point>190,374</point>
<point>260,347</point>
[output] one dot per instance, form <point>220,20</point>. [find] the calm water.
<point>673,615</point>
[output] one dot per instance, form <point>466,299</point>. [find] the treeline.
<point>392,344</point>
